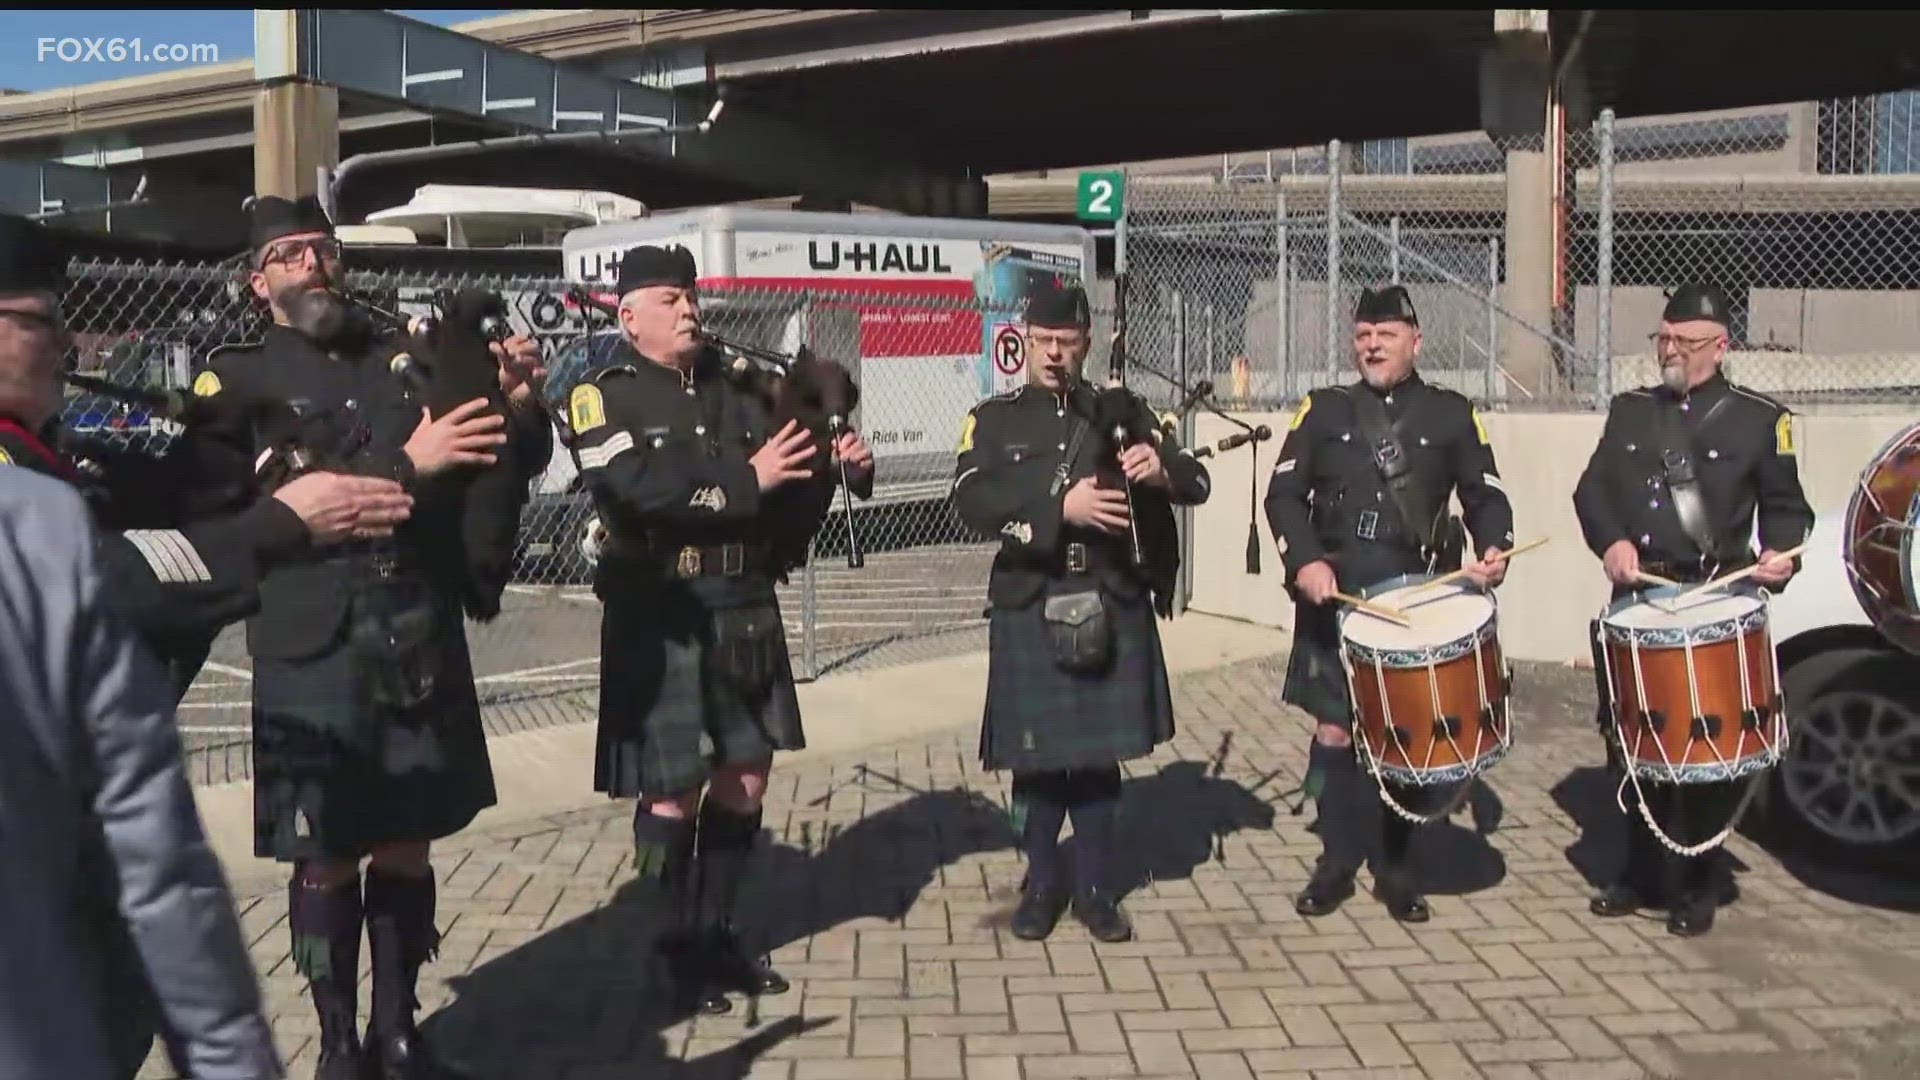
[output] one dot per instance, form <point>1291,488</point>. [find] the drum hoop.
<point>1425,655</point>
<point>1450,774</point>
<point>1674,637</point>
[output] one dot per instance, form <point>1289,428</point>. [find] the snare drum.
<point>1878,549</point>
<point>1695,684</point>
<point>1431,701</point>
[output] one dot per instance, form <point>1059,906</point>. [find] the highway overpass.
<point>963,96</point>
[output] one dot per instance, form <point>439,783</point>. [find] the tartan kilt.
<point>331,780</point>
<point>1316,679</point>
<point>668,717</point>
<point>1040,718</point>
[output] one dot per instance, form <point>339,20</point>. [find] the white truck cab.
<point>1848,788</point>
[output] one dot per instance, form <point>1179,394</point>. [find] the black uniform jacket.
<point>1011,450</point>
<point>1741,447</point>
<point>666,459</point>
<point>355,414</point>
<point>1328,500</point>
<point>178,581</point>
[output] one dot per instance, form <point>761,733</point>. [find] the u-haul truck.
<point>924,314</point>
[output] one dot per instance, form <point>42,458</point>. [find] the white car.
<point>1849,787</point>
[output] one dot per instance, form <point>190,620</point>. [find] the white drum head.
<point>1447,623</point>
<point>1669,621</point>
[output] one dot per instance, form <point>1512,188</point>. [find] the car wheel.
<point>1848,787</point>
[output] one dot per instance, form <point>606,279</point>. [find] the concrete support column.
<point>296,131</point>
<point>1518,108</point>
<point>1527,290</point>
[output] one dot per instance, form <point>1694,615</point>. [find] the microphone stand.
<point>1253,436</point>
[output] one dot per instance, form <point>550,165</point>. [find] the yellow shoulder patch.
<point>1300,414</point>
<point>1783,435</point>
<point>589,410</point>
<point>966,435</point>
<point>5,458</point>
<point>207,384</point>
<point>1480,429</point>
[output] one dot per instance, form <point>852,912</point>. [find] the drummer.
<point>1347,527</point>
<point>1672,490</point>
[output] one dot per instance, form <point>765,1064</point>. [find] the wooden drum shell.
<point>1664,737</point>
<point>1409,697</point>
<point>1878,542</point>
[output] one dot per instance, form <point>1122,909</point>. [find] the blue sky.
<point>27,64</point>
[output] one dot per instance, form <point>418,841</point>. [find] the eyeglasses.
<point>35,320</point>
<point>324,248</point>
<point>1662,341</point>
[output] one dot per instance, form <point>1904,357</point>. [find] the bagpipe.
<point>817,394</point>
<point>1120,421</point>
<point>444,361</point>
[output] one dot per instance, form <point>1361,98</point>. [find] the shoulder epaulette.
<point>233,347</point>
<point>602,374</point>
<point>1756,395</point>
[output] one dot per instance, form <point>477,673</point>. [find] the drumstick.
<point>1393,615</point>
<point>1498,556</point>
<point>1656,579</point>
<point>1738,575</point>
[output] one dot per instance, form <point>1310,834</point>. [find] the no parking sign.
<point>1009,349</point>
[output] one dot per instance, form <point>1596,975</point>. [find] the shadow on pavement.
<point>585,1001</point>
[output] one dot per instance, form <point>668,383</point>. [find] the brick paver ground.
<point>888,888</point>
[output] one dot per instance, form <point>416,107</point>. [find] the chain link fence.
<point>1540,269</point>
<point>921,363</point>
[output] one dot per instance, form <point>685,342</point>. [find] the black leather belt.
<point>1082,558</point>
<point>693,560</point>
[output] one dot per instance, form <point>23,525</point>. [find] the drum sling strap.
<point>1689,504</point>
<point>1425,525</point>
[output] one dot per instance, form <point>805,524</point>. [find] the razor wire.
<point>921,364</point>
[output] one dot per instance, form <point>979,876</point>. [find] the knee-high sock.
<point>724,851</point>
<point>1042,809</point>
<point>400,909</point>
<point>1095,810</point>
<point>325,923</point>
<point>1343,808</point>
<point>663,870</point>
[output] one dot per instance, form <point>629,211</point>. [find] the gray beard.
<point>1674,378</point>
<point>318,314</point>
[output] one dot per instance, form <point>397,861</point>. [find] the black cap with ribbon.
<point>1059,307</point>
<point>1690,303</point>
<point>272,217</point>
<point>32,258</point>
<point>1385,305</point>
<point>647,265</point>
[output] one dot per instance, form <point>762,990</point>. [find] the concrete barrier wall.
<point>1550,592</point>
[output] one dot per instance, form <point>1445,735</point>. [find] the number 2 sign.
<point>1101,196</point>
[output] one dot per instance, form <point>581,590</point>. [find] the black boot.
<point>724,850</point>
<point>1395,882</point>
<point>325,923</point>
<point>1643,878</point>
<point>400,928</point>
<point>1039,805</point>
<point>1340,808</point>
<point>1096,811</point>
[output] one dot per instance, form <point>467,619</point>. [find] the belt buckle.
<point>1076,558</point>
<point>689,564</point>
<point>733,559</point>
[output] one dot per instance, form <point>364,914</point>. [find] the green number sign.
<point>1101,195</point>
